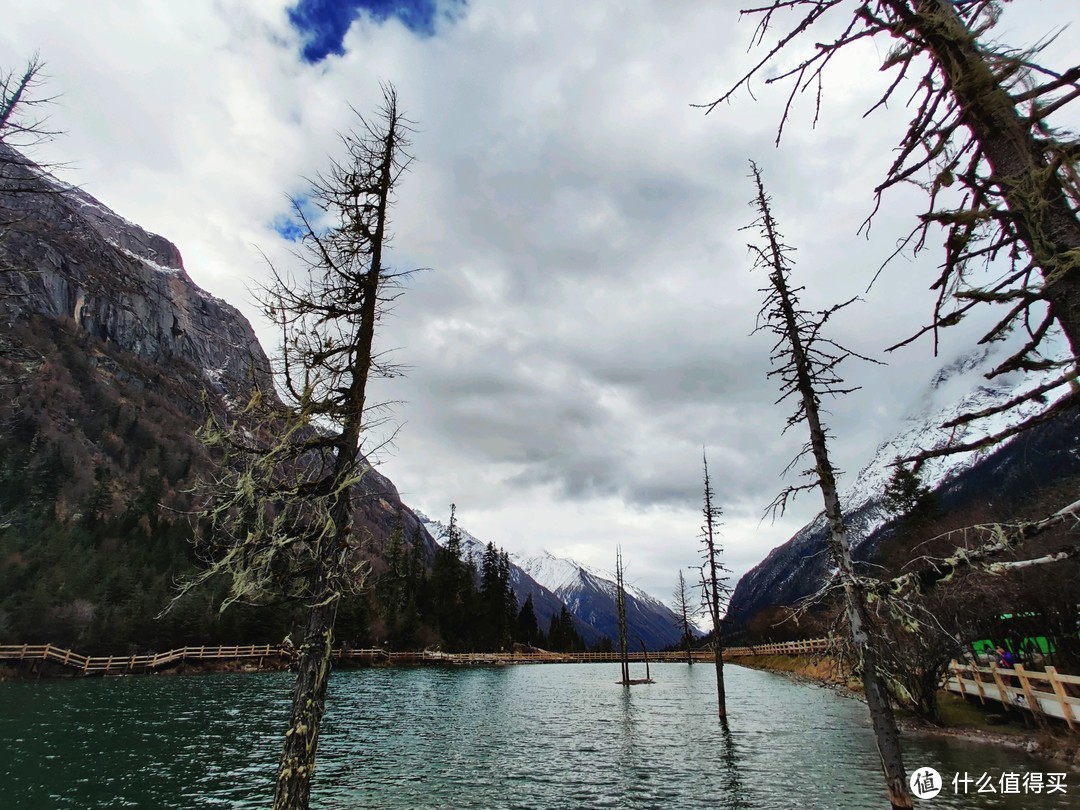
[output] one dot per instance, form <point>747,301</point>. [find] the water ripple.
<point>543,736</point>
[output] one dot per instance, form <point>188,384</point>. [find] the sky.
<point>581,327</point>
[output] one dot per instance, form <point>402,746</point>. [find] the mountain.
<point>110,356</point>
<point>545,603</point>
<point>799,567</point>
<point>588,594</point>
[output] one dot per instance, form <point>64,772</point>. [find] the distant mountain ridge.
<point>588,593</point>
<point>801,566</point>
<point>545,603</point>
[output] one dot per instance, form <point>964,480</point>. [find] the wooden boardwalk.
<point>1048,693</point>
<point>129,664</point>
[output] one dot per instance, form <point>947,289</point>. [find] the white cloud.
<point>585,327</point>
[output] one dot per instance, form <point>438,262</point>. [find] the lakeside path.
<point>961,720</point>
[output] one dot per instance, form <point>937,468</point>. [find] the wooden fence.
<point>1043,693</point>
<point>117,664</point>
<point>123,664</point>
<point>805,647</point>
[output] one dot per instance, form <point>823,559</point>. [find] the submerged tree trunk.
<point>711,584</point>
<point>620,605</point>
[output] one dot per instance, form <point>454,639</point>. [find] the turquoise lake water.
<point>539,736</point>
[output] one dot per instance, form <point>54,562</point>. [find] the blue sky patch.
<point>288,228</point>
<point>324,23</point>
<point>288,224</point>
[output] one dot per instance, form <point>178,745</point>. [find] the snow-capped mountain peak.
<point>587,592</point>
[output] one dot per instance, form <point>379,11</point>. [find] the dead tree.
<point>23,122</point>
<point>805,362</point>
<point>714,583</point>
<point>1000,180</point>
<point>23,126</point>
<point>683,611</point>
<point>280,520</point>
<point>645,655</point>
<point>620,607</point>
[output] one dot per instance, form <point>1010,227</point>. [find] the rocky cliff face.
<point>80,263</point>
<point>107,352</point>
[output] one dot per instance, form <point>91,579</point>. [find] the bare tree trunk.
<point>308,704</point>
<point>620,604</point>
<point>1032,189</point>
<point>297,765</point>
<point>711,582</point>
<point>803,381</point>
<point>682,611</point>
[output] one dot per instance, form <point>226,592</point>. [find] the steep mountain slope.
<point>799,567</point>
<point>588,594</point>
<point>107,349</point>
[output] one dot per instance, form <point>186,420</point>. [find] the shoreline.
<point>1051,743</point>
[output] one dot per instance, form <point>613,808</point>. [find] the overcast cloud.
<point>584,329</point>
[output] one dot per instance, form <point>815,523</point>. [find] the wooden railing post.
<point>978,682</point>
<point>1000,683</point>
<point>1025,685</point>
<point>954,668</point>
<point>1059,692</point>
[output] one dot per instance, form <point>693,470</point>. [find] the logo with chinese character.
<point>1008,782</point>
<point>925,783</point>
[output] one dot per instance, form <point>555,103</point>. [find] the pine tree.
<point>493,620</point>
<point>906,497</point>
<point>527,627</point>
<point>562,635</point>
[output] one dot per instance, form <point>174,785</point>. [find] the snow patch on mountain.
<point>957,388</point>
<point>563,575</point>
<point>471,546</point>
